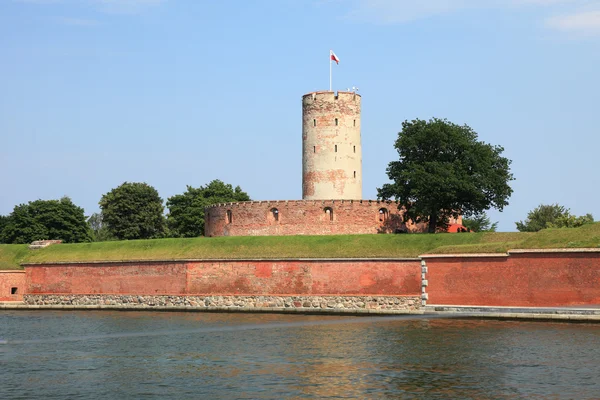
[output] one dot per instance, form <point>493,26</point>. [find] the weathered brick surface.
<point>342,277</point>
<point>305,217</point>
<point>10,280</point>
<point>528,280</point>
<point>331,146</point>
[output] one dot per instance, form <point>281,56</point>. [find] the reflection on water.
<point>259,356</point>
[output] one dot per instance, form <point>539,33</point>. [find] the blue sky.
<point>181,92</point>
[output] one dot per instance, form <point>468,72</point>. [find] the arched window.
<point>383,214</point>
<point>274,214</point>
<point>228,216</point>
<point>328,213</point>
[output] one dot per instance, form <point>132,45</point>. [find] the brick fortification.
<point>331,183</point>
<point>304,217</point>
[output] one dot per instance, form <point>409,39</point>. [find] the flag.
<point>334,57</point>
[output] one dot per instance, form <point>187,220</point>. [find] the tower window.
<point>355,174</point>
<point>354,122</point>
<point>328,213</point>
<point>314,122</point>
<point>383,214</point>
<point>354,148</point>
<point>275,214</point>
<point>228,216</point>
<point>336,122</point>
<point>314,149</point>
<point>336,148</point>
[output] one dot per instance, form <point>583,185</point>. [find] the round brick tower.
<point>331,150</point>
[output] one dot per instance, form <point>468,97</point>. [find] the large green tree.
<point>480,223</point>
<point>445,171</point>
<point>3,222</point>
<point>186,210</point>
<point>133,211</point>
<point>552,216</point>
<point>46,219</point>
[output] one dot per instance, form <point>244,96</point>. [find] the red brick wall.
<point>530,279</point>
<point>304,217</point>
<point>10,280</point>
<point>229,277</point>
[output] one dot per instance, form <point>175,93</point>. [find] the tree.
<point>186,211</point>
<point>480,223</point>
<point>46,219</point>
<point>4,219</point>
<point>444,171</point>
<point>133,211</point>
<point>552,216</point>
<point>98,227</point>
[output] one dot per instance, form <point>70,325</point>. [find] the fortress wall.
<point>12,281</point>
<point>538,278</point>
<point>163,277</point>
<point>304,217</point>
<point>240,277</point>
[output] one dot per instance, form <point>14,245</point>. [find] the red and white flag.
<point>333,57</point>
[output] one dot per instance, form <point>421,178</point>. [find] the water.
<point>133,355</point>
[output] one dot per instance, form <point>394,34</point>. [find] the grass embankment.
<point>342,246</point>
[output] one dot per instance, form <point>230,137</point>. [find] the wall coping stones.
<point>563,250</point>
<point>11,271</point>
<point>222,260</point>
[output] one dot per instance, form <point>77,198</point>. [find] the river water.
<point>137,355</point>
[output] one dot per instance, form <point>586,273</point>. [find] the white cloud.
<point>398,11</point>
<point>584,22</point>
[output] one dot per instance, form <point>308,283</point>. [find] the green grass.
<point>342,246</point>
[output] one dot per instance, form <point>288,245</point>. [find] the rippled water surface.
<point>131,355</point>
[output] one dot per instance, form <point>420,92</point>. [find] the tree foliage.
<point>98,228</point>
<point>46,219</point>
<point>186,210</point>
<point>552,216</point>
<point>3,222</point>
<point>444,171</point>
<point>133,211</point>
<point>480,223</point>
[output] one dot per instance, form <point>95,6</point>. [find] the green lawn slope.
<point>339,246</point>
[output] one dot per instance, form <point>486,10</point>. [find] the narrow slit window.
<point>354,148</point>
<point>354,122</point>
<point>336,148</point>
<point>228,214</point>
<point>328,213</point>
<point>314,149</point>
<point>355,174</point>
<point>336,122</point>
<point>314,122</point>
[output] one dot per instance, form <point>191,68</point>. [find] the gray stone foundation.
<point>299,303</point>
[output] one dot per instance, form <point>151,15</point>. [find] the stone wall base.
<point>301,303</point>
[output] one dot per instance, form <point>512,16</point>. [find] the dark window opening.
<point>354,122</point>
<point>354,148</point>
<point>355,174</point>
<point>314,149</point>
<point>336,122</point>
<point>314,122</point>
<point>228,214</point>
<point>336,148</point>
<point>275,214</point>
<point>329,212</point>
<point>383,214</point>
<point>13,290</point>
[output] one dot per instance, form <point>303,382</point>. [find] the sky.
<point>94,93</point>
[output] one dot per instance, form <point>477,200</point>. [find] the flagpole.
<point>330,70</point>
